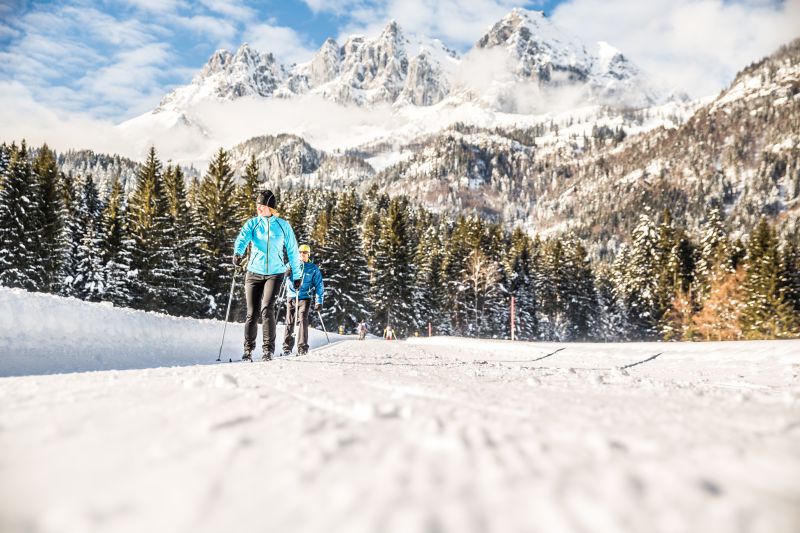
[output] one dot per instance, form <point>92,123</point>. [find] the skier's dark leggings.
<point>260,292</point>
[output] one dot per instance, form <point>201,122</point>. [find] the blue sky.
<point>115,59</point>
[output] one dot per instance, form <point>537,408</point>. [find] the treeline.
<point>167,246</point>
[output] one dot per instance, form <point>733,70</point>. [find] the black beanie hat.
<point>266,198</point>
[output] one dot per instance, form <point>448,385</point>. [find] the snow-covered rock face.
<point>229,76</point>
<point>395,68</point>
<point>540,53</point>
<point>539,50</point>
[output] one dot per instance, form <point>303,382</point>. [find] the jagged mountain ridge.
<point>398,69</point>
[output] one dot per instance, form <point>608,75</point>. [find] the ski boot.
<point>247,356</point>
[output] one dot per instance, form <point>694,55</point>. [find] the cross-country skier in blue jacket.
<point>269,236</point>
<point>312,280</point>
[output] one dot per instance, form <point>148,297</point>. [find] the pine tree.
<point>393,276</point>
<point>116,246</point>
<point>293,209</point>
<point>19,253</point>
<point>70,236</point>
<point>465,236</point>
<point>216,212</point>
<point>578,292</point>
<point>146,217</point>
<point>183,290</point>
<point>714,258</point>
<point>344,266</point>
<point>374,210</point>
<point>640,281</point>
<point>246,192</point>
<point>611,322</point>
<point>552,275</point>
<point>790,268</point>
<point>522,285</point>
<point>89,281</point>
<point>318,217</point>
<point>48,200</point>
<point>767,313</point>
<point>497,304</point>
<point>427,291</point>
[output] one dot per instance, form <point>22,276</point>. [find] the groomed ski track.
<point>428,435</point>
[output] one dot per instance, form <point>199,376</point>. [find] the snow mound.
<point>46,334</point>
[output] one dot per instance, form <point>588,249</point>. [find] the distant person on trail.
<point>362,331</point>
<point>388,333</point>
<point>311,279</point>
<point>268,236</point>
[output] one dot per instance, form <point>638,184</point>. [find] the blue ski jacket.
<point>269,236</point>
<point>312,279</point>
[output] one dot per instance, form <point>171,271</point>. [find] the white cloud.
<point>103,27</point>
<point>231,8</point>
<point>339,7</point>
<point>694,45</point>
<point>133,80</point>
<point>287,45</point>
<point>209,27</point>
<point>458,23</point>
<point>23,117</point>
<point>7,32</point>
<point>158,6</point>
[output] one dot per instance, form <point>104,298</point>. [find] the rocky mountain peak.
<point>404,69</point>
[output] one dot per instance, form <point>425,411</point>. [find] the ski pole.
<point>281,295</point>
<point>227,313</point>
<point>297,312</point>
<point>323,327</point>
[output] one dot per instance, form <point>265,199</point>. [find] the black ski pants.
<point>260,292</point>
<point>302,335</point>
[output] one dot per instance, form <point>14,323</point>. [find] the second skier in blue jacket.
<point>311,286</point>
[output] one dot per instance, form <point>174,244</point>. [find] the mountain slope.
<point>740,151</point>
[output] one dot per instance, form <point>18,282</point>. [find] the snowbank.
<point>46,334</point>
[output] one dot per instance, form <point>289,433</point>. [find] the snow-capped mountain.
<point>390,68</point>
<point>522,58</point>
<point>541,54</point>
<point>228,76</point>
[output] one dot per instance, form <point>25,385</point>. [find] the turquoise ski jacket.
<point>312,279</point>
<point>269,237</point>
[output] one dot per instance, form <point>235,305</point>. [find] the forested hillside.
<point>167,247</point>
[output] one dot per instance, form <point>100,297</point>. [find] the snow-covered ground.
<point>437,434</point>
<point>45,334</point>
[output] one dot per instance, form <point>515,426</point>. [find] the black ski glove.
<point>297,284</point>
<point>238,260</point>
<point>317,307</point>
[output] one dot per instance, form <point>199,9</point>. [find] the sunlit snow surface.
<point>438,434</point>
